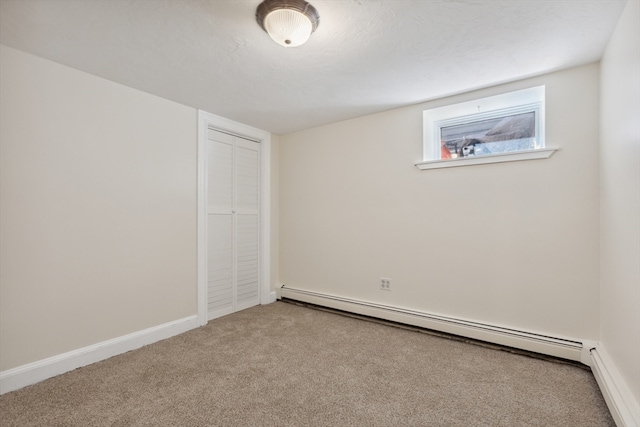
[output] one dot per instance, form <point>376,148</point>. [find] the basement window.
<point>500,128</point>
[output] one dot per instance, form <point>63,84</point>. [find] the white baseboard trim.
<point>31,373</point>
<point>272,297</point>
<point>554,346</point>
<point>622,405</point>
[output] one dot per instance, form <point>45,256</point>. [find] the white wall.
<point>97,212</point>
<point>512,244</point>
<point>620,199</point>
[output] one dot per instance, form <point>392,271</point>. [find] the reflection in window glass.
<point>489,136</point>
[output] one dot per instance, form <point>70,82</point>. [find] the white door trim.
<point>206,121</point>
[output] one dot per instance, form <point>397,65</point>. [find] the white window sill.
<point>514,156</point>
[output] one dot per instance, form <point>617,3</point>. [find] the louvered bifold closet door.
<point>233,223</point>
<point>220,239</point>
<point>247,222</point>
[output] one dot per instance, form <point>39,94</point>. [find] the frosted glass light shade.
<point>288,27</point>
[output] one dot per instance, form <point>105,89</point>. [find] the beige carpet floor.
<point>287,365</point>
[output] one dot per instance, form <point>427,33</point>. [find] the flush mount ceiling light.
<point>288,22</point>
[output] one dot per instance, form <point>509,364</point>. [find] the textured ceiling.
<point>366,56</point>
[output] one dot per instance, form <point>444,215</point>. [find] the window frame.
<point>503,105</point>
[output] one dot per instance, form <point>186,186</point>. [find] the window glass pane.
<point>493,135</point>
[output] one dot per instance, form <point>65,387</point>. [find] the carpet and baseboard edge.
<point>586,355</point>
<point>433,332</point>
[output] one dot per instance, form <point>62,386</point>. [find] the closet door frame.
<point>210,121</point>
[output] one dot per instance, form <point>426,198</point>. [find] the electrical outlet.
<point>385,283</point>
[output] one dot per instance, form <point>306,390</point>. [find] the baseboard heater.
<point>530,341</point>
